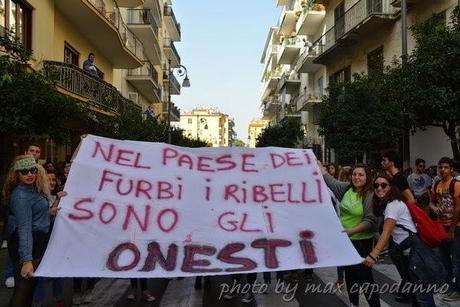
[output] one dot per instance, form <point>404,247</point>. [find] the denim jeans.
<point>39,294</point>
<point>456,259</point>
<point>9,269</point>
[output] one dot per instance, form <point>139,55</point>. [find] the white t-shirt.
<point>397,210</point>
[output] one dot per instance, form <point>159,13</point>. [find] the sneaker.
<point>88,297</point>
<point>452,297</point>
<point>4,244</point>
<point>131,295</point>
<point>247,298</point>
<point>76,299</point>
<point>9,282</point>
<point>147,296</point>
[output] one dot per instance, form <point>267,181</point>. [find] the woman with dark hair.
<point>333,170</point>
<point>399,230</point>
<point>359,222</point>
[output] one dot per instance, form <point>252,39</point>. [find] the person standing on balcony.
<point>88,65</point>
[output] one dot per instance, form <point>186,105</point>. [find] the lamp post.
<point>181,72</point>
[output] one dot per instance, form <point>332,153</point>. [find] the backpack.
<point>430,232</point>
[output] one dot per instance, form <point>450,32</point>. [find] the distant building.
<point>255,128</point>
<point>206,124</point>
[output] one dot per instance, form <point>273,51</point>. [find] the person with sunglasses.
<point>399,231</point>
<point>25,191</point>
<point>359,222</point>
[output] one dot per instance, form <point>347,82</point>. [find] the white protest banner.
<point>137,209</point>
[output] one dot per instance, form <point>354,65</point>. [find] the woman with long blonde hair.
<point>26,193</point>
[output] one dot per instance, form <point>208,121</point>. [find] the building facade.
<point>320,41</point>
<point>132,40</point>
<point>206,124</point>
<point>255,128</point>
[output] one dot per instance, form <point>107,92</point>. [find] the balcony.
<point>397,3</point>
<point>75,82</point>
<point>145,26</point>
<point>289,110</point>
<point>288,20</point>
<point>271,108</point>
<point>172,25</point>
<point>290,82</point>
<point>289,50</point>
<point>175,111</point>
<point>363,18</point>
<point>101,23</point>
<point>130,3</point>
<point>306,101</point>
<point>145,80</point>
<point>311,20</point>
<point>171,52</point>
<point>306,63</point>
<point>271,80</point>
<point>175,85</point>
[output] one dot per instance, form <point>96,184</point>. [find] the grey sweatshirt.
<point>339,188</point>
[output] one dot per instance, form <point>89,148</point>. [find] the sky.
<point>221,46</point>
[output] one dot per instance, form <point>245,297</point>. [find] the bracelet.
<point>372,257</point>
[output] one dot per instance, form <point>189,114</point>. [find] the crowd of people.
<point>374,208</point>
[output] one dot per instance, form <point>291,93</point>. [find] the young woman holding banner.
<point>25,191</point>
<point>398,229</point>
<point>359,222</point>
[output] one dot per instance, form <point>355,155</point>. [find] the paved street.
<point>181,292</point>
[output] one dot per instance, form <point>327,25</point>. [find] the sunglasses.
<point>383,185</point>
<point>26,171</point>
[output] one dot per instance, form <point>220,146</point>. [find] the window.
<point>343,75</point>
<point>16,16</point>
<point>339,20</point>
<point>375,62</point>
<point>320,87</point>
<point>189,121</point>
<point>71,55</point>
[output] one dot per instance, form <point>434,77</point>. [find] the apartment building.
<point>255,127</point>
<point>343,37</point>
<point>131,39</point>
<point>206,124</point>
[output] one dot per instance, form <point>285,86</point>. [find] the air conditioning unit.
<point>134,97</point>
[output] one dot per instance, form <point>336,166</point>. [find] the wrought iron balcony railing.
<point>77,81</point>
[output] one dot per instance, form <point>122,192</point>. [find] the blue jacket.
<point>30,211</point>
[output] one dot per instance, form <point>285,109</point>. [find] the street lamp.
<point>181,72</point>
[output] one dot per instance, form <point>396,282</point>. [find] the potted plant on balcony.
<point>318,7</point>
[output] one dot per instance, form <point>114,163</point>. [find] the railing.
<point>174,109</point>
<point>168,11</point>
<point>143,17</point>
<point>352,18</point>
<point>146,70</point>
<point>168,43</point>
<point>114,17</point>
<point>79,82</point>
<point>174,81</point>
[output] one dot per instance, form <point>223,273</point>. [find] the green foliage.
<point>355,119</point>
<point>31,107</point>
<point>288,134</point>
<point>431,78</point>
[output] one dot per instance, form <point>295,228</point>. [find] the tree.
<point>31,107</point>
<point>355,120</point>
<point>238,143</point>
<point>231,132</point>
<point>431,91</point>
<point>288,134</point>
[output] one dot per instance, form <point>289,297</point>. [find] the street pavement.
<point>181,292</point>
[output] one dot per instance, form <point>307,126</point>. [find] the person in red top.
<point>445,202</point>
